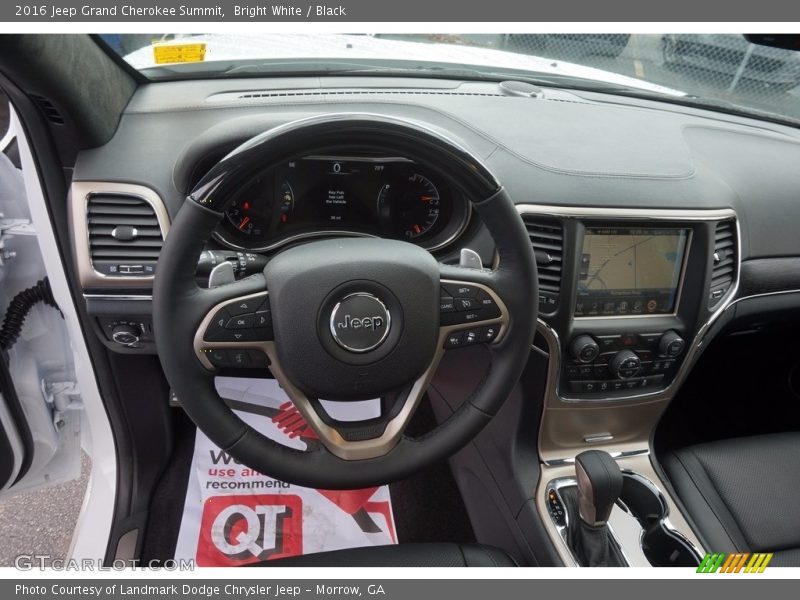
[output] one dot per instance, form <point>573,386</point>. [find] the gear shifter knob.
<point>599,486</point>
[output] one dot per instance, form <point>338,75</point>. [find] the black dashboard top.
<point>565,148</point>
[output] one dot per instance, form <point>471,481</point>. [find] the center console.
<point>627,288</point>
<point>626,293</point>
<point>627,300</point>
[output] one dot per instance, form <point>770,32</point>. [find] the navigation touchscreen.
<point>626,271</point>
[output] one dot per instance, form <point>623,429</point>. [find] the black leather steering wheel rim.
<point>179,305</point>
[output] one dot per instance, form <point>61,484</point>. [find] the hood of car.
<point>282,50</point>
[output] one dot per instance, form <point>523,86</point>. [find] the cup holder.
<point>661,544</point>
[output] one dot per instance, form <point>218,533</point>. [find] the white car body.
<point>293,46</point>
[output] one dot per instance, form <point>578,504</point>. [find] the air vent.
<point>723,262</point>
<point>547,241</point>
<point>371,92</point>
<point>475,90</point>
<point>125,236</point>
<point>49,110</point>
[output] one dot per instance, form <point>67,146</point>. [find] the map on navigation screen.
<point>629,271</point>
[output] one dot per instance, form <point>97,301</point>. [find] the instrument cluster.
<point>322,196</point>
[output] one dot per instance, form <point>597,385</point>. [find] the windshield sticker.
<point>178,53</point>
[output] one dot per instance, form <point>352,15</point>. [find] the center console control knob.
<point>671,344</point>
<point>625,364</point>
<point>584,349</point>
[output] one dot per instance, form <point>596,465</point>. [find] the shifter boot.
<point>591,546</point>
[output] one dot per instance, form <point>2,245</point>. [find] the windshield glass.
<point>718,70</point>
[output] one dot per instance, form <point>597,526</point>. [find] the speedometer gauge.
<point>412,206</point>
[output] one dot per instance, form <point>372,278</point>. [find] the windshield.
<point>722,71</point>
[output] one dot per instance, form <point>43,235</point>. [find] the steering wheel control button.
<point>216,332</point>
<point>489,334</point>
<point>225,326</point>
<point>243,335</point>
<point>454,340</point>
<point>217,357</point>
<point>239,358</point>
<point>263,319</point>
<point>466,303</point>
<point>241,307</point>
<point>460,317</point>
<point>487,304</point>
<point>245,321</point>
<point>460,290</point>
<point>360,322</point>
<point>473,315</point>
<point>472,337</point>
<point>258,359</point>
<point>481,335</point>
<point>446,304</point>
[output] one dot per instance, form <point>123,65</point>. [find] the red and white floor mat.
<point>234,515</point>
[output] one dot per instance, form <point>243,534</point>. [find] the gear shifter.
<point>599,486</point>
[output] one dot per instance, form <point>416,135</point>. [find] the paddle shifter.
<point>599,487</point>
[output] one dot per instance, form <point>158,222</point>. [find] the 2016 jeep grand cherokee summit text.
<point>552,305</point>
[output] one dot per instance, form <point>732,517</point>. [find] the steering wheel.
<point>345,319</point>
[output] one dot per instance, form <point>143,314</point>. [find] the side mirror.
<point>784,41</point>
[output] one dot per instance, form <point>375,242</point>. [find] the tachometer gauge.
<point>243,216</point>
<point>411,206</point>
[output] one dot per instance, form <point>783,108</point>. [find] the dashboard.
<point>622,198</point>
<point>655,228</point>
<point>321,196</point>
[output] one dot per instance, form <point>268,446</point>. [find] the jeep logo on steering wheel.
<point>356,323</point>
<point>360,322</point>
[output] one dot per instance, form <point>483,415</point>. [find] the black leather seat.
<point>402,555</point>
<point>743,494</point>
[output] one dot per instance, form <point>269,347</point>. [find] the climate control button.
<point>584,349</point>
<point>671,344</point>
<point>625,364</point>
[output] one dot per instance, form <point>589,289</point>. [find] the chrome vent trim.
<point>116,224</point>
<point>724,261</point>
<point>122,228</point>
<point>547,242</point>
